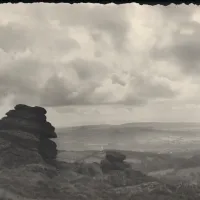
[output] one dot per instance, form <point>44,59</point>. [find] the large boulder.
<point>24,114</point>
<point>108,166</point>
<point>37,110</point>
<point>115,156</point>
<point>113,161</point>
<point>43,129</point>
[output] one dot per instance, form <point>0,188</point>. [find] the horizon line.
<point>137,122</point>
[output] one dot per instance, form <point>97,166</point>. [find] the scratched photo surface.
<point>117,90</point>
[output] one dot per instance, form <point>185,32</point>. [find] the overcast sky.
<point>93,64</point>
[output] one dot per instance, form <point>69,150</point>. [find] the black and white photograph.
<point>99,101</point>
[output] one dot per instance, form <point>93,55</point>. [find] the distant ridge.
<point>131,124</point>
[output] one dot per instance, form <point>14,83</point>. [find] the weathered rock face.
<point>47,148</point>
<point>24,137</point>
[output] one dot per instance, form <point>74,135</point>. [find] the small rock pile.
<point>113,161</point>
<point>25,131</point>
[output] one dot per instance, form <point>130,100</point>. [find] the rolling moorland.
<point>152,137</point>
<point>167,151</point>
<point>126,162</point>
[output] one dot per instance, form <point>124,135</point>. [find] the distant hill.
<point>157,137</point>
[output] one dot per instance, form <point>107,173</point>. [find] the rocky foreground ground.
<point>29,169</point>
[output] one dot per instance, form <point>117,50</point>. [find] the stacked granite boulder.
<point>114,161</point>
<point>25,137</point>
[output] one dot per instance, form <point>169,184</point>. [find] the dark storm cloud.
<point>178,14</point>
<point>110,19</point>
<point>117,80</point>
<point>87,70</point>
<point>184,50</point>
<point>19,80</point>
<point>13,37</point>
<point>59,91</point>
<point>17,37</point>
<point>142,89</point>
<point>185,45</point>
<point>65,45</point>
<point>133,100</point>
<point>55,92</point>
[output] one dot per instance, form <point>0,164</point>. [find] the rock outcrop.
<point>25,137</point>
<point>114,161</point>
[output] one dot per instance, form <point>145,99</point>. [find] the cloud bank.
<point>58,55</point>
